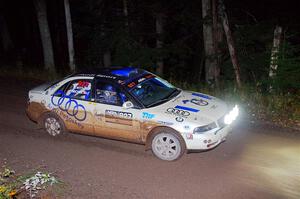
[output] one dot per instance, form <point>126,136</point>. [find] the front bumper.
<point>207,140</point>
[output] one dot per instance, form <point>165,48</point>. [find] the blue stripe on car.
<point>202,95</point>
<point>187,108</point>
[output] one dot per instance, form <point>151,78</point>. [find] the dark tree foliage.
<point>100,28</point>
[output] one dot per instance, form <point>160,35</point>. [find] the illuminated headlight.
<point>232,115</point>
<point>202,129</point>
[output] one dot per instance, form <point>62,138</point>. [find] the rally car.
<point>131,104</point>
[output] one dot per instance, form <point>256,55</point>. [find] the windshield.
<point>154,91</point>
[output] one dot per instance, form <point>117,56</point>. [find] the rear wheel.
<point>167,145</point>
<point>53,124</point>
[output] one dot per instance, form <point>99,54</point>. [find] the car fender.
<point>156,130</point>
<point>43,115</point>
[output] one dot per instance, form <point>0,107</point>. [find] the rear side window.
<point>60,92</point>
<point>76,89</point>
<point>79,89</point>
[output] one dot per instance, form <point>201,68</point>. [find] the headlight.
<point>202,129</point>
<point>232,115</point>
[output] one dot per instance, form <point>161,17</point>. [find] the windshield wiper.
<point>171,95</point>
<point>167,98</point>
<point>158,102</point>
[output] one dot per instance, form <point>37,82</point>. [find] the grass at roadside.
<point>32,184</point>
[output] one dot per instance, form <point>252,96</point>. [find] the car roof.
<point>113,73</point>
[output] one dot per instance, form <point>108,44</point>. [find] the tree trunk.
<point>107,59</point>
<point>127,30</point>
<point>125,11</point>
<point>230,43</point>
<point>41,10</point>
<point>217,40</point>
<point>69,35</point>
<point>159,43</point>
<point>210,60</point>
<point>5,36</point>
<point>275,51</point>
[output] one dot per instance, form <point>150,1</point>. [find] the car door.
<point>72,103</point>
<point>111,119</point>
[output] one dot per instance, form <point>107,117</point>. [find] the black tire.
<point>53,124</point>
<point>167,144</point>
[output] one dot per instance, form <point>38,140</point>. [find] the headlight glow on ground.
<point>274,163</point>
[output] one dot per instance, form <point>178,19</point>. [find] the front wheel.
<point>167,145</point>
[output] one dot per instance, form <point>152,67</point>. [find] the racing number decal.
<point>132,84</point>
<point>118,117</point>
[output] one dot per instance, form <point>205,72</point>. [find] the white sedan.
<point>134,105</point>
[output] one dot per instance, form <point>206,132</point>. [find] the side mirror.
<point>127,105</point>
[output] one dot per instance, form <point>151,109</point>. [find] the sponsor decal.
<point>118,117</point>
<point>118,114</point>
<point>199,102</point>
<point>189,136</point>
<point>142,79</point>
<point>67,118</point>
<point>179,119</point>
<point>186,127</point>
<point>165,123</point>
<point>68,105</point>
<point>148,115</point>
<point>149,76</point>
<point>80,89</point>
<point>107,76</point>
<point>187,108</point>
<point>134,83</point>
<point>121,82</point>
<point>178,112</point>
<point>202,95</point>
<point>185,101</point>
<point>83,84</point>
<point>86,75</point>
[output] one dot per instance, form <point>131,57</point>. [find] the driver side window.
<point>107,93</point>
<point>143,90</point>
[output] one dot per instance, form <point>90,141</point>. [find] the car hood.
<point>192,107</point>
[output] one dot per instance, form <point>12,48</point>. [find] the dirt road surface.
<point>255,162</point>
